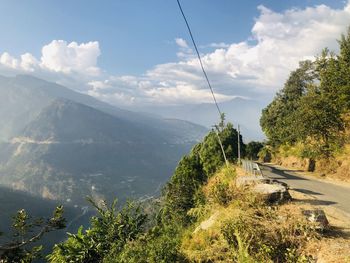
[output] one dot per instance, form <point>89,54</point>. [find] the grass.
<point>245,228</point>
<point>336,167</point>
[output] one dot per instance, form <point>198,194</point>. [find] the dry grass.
<point>336,168</point>
<point>206,246</point>
<point>245,229</point>
<point>334,244</point>
<point>220,189</point>
<point>330,250</point>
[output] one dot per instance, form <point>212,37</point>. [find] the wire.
<point>199,58</point>
<point>207,79</point>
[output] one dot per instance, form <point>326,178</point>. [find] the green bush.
<point>158,245</point>
<point>110,230</point>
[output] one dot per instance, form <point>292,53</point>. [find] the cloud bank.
<point>252,68</point>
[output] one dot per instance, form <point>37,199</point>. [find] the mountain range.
<point>63,145</point>
<point>242,111</point>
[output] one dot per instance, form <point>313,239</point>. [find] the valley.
<point>69,145</point>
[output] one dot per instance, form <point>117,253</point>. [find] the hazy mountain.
<point>240,111</point>
<point>23,97</point>
<point>60,144</point>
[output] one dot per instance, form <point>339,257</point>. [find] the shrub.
<point>267,236</point>
<point>158,245</point>
<point>108,234</point>
<point>220,188</point>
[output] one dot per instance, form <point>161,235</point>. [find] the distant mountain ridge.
<point>60,144</point>
<point>23,97</point>
<point>245,112</point>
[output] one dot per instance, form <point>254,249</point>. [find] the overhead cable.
<point>199,58</point>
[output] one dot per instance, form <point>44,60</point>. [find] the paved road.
<point>325,193</point>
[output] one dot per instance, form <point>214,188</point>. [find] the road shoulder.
<point>309,175</point>
<point>335,244</point>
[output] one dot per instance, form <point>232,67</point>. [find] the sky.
<point>139,53</point>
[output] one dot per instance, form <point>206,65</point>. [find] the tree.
<point>110,230</point>
<point>282,113</point>
<point>18,250</point>
<point>344,62</point>
<point>319,123</point>
<point>210,152</point>
<point>311,108</point>
<point>159,245</point>
<point>180,191</point>
<point>252,149</point>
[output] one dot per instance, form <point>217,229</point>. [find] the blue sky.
<point>137,54</point>
<point>133,35</point>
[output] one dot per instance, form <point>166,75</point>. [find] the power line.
<point>199,58</point>
<point>207,79</point>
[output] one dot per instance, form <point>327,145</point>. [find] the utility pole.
<point>217,130</point>
<point>239,146</point>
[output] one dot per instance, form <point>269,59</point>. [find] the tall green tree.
<point>312,106</point>
<point>210,152</point>
<point>179,193</point>
<point>193,170</point>
<point>281,114</point>
<point>344,62</point>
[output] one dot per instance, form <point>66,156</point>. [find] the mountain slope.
<point>65,149</point>
<point>23,97</point>
<point>69,122</point>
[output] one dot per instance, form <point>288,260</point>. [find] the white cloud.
<point>259,65</point>
<point>281,41</point>
<point>181,42</point>
<point>28,62</point>
<point>183,93</point>
<point>130,90</point>
<point>8,61</point>
<point>59,56</point>
<point>216,45</point>
<point>185,52</point>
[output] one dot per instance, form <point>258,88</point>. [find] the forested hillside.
<point>309,117</point>
<point>125,235</point>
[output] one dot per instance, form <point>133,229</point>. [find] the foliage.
<point>265,154</point>
<point>194,170</point>
<point>252,150</point>
<point>159,244</point>
<point>180,192</point>
<point>259,235</point>
<point>280,115</point>
<point>220,188</point>
<point>311,106</point>
<point>210,151</point>
<point>110,230</point>
<point>20,249</point>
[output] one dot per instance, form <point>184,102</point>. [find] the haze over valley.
<point>62,145</point>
